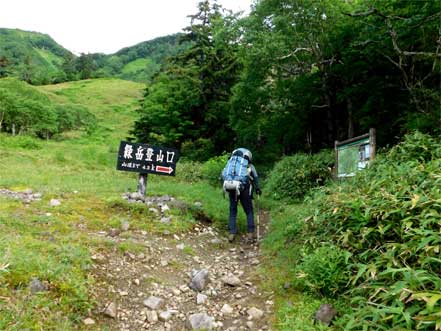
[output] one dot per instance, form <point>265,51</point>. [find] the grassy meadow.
<point>79,169</point>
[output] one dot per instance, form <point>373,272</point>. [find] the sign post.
<point>146,159</point>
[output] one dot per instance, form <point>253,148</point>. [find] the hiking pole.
<point>258,218</point>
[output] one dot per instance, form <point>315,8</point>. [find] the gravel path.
<point>150,289</point>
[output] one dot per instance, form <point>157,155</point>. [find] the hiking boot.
<point>231,237</point>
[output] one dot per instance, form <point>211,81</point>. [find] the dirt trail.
<point>163,269</point>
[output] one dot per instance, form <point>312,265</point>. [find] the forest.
<point>296,76</point>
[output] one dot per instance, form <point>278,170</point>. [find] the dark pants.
<point>246,201</point>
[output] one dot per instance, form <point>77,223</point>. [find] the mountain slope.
<point>36,58</point>
<point>111,100</point>
<point>31,56</point>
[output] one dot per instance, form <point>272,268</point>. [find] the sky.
<point>103,26</point>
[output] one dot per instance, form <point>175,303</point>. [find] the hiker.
<point>240,180</point>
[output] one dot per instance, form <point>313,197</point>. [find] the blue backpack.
<point>235,173</point>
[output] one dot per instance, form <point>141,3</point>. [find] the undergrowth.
<point>372,242</point>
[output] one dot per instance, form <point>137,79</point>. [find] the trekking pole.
<point>258,219</point>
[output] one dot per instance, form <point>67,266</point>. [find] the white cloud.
<point>90,26</point>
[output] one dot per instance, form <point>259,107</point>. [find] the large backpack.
<point>235,173</point>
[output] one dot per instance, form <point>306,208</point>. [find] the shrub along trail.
<point>178,282</point>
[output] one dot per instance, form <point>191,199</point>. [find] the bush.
<point>199,150</point>
<point>387,217</point>
<point>373,240</point>
<point>294,176</point>
<point>212,169</point>
<point>189,171</point>
<point>25,142</point>
<point>324,271</point>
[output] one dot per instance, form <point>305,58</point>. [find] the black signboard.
<point>147,159</point>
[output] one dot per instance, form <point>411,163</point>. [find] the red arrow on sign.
<point>166,170</point>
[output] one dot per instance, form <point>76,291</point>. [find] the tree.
<point>4,62</point>
<point>69,67</point>
<point>188,100</point>
<point>320,71</point>
<point>86,66</point>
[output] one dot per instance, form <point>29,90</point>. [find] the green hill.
<point>37,59</point>
<point>31,56</point>
<point>110,100</point>
<point>141,61</point>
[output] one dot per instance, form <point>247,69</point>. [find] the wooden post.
<point>142,184</point>
<point>372,143</point>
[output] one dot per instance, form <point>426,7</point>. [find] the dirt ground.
<point>162,267</point>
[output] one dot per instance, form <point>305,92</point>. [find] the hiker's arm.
<point>255,179</point>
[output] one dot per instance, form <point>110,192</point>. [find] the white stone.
<point>227,309</point>
<point>201,299</point>
<point>255,313</point>
<point>54,202</point>
<point>88,321</point>
<point>165,315</point>
<point>231,280</point>
<point>153,303</point>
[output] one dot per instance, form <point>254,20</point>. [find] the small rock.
<point>166,220</point>
<point>165,208</point>
<point>154,210</point>
<point>201,299</point>
<point>152,316</point>
<point>154,303</point>
<point>325,314</point>
<point>227,309</point>
<point>37,286</point>
<point>255,313</point>
<point>54,202</point>
<point>180,246</point>
<point>250,325</point>
<point>199,280</point>
<point>231,280</point>
<point>110,310</point>
<point>201,321</point>
<point>88,321</point>
<point>125,225</point>
<point>165,315</point>
<point>198,204</point>
<point>216,241</point>
<point>135,196</point>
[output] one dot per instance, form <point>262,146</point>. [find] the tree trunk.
<point>350,118</point>
<point>13,129</point>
